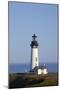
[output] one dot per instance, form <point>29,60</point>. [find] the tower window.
<point>36,59</point>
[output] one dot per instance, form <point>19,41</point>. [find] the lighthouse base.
<point>39,70</point>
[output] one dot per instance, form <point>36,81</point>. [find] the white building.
<point>34,58</point>
<point>42,71</point>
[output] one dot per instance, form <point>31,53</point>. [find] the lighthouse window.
<point>36,59</point>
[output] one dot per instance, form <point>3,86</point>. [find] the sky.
<point>25,19</point>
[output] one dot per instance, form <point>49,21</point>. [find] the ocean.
<point>20,68</point>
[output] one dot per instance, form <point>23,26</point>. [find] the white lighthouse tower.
<point>34,52</point>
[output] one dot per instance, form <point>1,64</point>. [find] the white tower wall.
<point>34,57</point>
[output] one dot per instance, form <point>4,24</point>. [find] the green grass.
<point>27,80</point>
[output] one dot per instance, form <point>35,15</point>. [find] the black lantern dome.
<point>34,42</point>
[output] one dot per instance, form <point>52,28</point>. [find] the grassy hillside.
<point>26,80</point>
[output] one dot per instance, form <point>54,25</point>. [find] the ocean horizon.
<point>21,68</point>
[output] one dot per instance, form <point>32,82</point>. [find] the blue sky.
<point>25,19</point>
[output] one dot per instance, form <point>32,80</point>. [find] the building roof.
<point>40,67</point>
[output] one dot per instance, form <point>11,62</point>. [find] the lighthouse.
<point>34,52</point>
<point>35,68</point>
